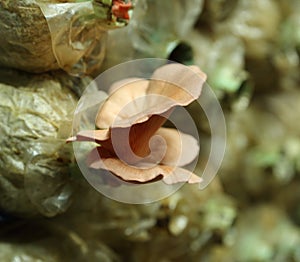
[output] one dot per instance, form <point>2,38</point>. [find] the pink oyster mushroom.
<point>133,145</point>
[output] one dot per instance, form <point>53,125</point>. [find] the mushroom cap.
<point>135,100</point>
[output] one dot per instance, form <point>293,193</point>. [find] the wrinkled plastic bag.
<point>35,162</point>
<point>40,35</point>
<point>78,40</point>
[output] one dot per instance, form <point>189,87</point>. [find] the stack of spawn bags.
<point>47,51</point>
<point>48,212</point>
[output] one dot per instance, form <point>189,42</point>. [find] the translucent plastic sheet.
<point>35,162</point>
<point>78,39</point>
<point>44,35</point>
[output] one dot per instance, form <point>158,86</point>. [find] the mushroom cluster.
<point>132,144</point>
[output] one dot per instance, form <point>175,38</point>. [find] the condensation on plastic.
<point>78,37</point>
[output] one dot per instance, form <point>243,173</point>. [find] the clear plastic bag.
<point>35,161</point>
<point>44,35</point>
<point>78,39</point>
